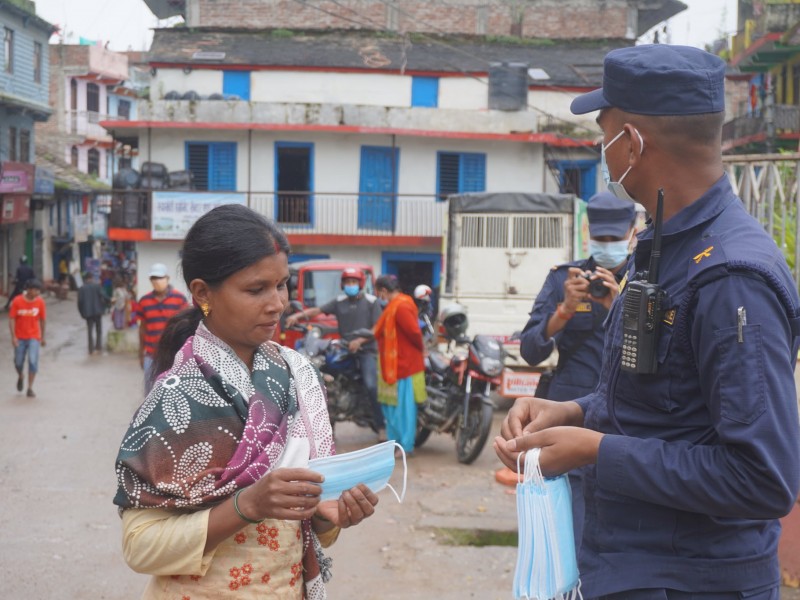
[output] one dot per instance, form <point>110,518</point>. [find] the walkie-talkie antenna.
<point>655,255</point>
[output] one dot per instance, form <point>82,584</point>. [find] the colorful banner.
<point>175,212</point>
<point>580,247</point>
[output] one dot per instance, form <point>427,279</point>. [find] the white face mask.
<point>616,187</point>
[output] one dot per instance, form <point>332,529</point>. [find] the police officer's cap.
<point>608,215</point>
<point>658,79</point>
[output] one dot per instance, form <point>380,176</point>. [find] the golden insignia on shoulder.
<point>669,317</point>
<point>623,283</point>
<point>704,254</point>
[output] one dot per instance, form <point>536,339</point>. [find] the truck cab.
<point>314,283</point>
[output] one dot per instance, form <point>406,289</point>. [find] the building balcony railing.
<point>787,118</point>
<point>302,213</point>
<point>87,123</point>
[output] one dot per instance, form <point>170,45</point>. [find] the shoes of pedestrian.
<point>20,383</point>
<point>30,393</point>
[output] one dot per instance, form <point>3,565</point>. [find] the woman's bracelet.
<point>239,512</point>
<point>565,316</point>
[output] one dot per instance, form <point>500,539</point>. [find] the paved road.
<point>61,532</point>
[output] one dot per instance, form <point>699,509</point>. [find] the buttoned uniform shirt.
<point>581,339</point>
<point>361,312</point>
<point>701,458</point>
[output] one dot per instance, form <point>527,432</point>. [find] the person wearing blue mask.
<point>355,309</point>
<point>570,309</point>
<point>690,464</point>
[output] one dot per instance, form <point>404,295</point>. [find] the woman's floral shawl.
<point>210,427</point>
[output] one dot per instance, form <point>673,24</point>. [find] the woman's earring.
<point>205,308</point>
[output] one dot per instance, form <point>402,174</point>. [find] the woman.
<point>401,384</point>
<point>205,507</point>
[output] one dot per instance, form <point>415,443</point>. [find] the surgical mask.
<point>372,466</point>
<point>546,563</point>
<point>351,290</point>
<point>609,254</point>
<point>616,187</point>
<point>383,302</point>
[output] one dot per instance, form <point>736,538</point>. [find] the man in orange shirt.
<point>26,321</point>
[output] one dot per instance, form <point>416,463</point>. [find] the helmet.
<point>353,273</point>
<point>453,319</point>
<point>422,292</point>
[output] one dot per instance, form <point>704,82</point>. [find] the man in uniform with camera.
<point>570,310</point>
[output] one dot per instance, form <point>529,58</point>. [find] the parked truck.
<point>499,248</point>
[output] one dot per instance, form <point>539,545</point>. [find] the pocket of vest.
<point>741,374</point>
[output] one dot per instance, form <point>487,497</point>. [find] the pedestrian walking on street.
<point>205,507</point>
<point>92,306</point>
<point>691,449</point>
<point>26,320</point>
<point>402,362</point>
<point>23,275</point>
<point>120,304</point>
<point>154,310</point>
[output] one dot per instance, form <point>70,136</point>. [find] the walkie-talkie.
<point>641,310</point>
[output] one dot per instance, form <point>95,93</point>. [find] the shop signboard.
<point>175,212</point>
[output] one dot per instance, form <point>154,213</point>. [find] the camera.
<point>596,287</point>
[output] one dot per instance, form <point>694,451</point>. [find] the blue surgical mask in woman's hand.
<point>372,466</point>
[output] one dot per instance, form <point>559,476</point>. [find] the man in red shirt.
<point>155,309</point>
<point>27,316</point>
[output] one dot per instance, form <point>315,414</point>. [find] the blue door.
<point>378,187</point>
<point>236,83</point>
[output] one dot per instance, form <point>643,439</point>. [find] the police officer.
<point>569,315</point>
<point>692,466</point>
<point>355,309</point>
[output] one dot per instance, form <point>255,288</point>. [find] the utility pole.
<point>769,115</point>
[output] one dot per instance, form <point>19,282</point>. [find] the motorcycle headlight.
<point>491,366</point>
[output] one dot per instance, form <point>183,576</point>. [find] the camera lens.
<point>597,289</point>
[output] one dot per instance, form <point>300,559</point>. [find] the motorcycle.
<point>348,399</point>
<point>459,394</point>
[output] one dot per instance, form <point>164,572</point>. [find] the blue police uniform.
<point>581,338</point>
<point>701,458</point>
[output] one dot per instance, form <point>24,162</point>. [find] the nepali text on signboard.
<point>175,212</point>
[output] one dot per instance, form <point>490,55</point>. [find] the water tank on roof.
<point>155,169</point>
<point>173,95</point>
<point>508,86</point>
<point>190,95</point>
<point>126,179</point>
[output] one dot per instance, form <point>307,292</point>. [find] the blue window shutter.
<point>222,166</point>
<point>236,83</point>
<point>197,161</point>
<point>425,91</point>
<point>472,173</point>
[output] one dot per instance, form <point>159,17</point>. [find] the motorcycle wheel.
<point>423,433</point>
<point>472,435</point>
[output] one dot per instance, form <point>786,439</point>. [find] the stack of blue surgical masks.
<point>547,568</point>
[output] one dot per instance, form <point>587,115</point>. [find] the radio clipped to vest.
<point>642,310</point>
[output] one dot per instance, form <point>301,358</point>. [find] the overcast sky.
<point>128,23</point>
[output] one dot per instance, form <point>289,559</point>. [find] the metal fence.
<point>768,187</point>
<point>313,213</point>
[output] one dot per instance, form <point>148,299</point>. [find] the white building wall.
<point>510,166</point>
<point>556,103</point>
<point>313,87</point>
<point>464,93</point>
<point>202,81</point>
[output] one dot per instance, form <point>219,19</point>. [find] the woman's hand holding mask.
<point>352,507</point>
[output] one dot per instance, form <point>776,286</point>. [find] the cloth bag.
<point>547,568</point>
